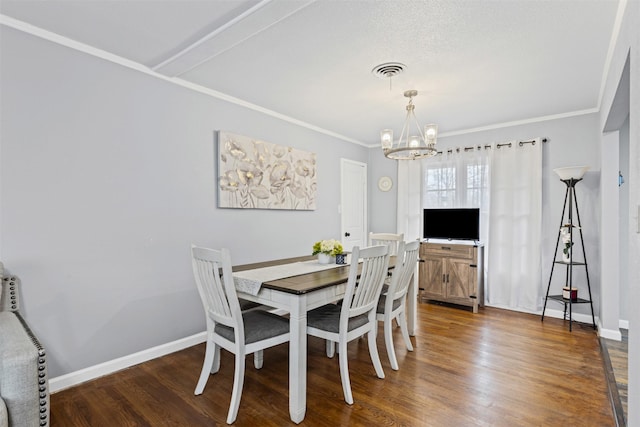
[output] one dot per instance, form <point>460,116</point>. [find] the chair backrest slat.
<point>212,271</point>
<point>390,239</point>
<point>404,270</point>
<point>363,293</point>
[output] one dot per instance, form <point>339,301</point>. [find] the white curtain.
<point>409,211</point>
<point>409,216</point>
<point>505,182</point>
<point>514,277</point>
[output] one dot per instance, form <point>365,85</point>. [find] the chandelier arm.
<point>405,128</point>
<point>415,119</point>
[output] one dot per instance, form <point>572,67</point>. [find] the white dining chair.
<point>356,316</point>
<point>390,239</point>
<point>392,302</point>
<point>238,332</point>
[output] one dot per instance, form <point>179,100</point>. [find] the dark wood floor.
<point>494,368</point>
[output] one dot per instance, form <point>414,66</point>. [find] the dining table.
<point>297,295</point>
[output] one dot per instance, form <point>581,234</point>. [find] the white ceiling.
<point>475,63</point>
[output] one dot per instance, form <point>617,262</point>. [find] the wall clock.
<point>385,183</point>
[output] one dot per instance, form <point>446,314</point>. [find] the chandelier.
<point>410,147</point>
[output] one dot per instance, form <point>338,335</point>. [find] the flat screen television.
<point>452,224</point>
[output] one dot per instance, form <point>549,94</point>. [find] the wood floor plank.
<point>494,368</point>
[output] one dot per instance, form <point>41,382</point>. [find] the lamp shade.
<point>431,133</point>
<point>386,138</point>
<point>571,172</point>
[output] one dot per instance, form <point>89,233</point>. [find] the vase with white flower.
<point>326,250</point>
<point>567,242</point>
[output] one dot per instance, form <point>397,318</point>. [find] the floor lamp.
<point>570,176</point>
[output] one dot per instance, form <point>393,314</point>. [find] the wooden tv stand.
<point>452,273</point>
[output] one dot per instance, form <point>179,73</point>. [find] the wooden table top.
<point>304,283</point>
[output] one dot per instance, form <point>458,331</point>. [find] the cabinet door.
<point>458,276</point>
<point>431,275</point>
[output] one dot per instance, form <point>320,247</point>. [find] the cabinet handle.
<point>447,277</point>
<point>443,278</point>
<point>446,248</point>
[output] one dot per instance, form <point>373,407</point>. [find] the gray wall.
<point>107,177</point>
<point>382,204</point>
<point>624,221</point>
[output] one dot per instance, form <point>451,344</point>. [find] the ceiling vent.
<point>388,69</point>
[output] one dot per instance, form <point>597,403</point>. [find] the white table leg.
<point>298,358</point>
<point>412,304</point>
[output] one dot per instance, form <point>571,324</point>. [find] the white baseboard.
<point>92,372</point>
<point>577,317</point>
<point>611,334</point>
<point>614,334</point>
<point>550,312</point>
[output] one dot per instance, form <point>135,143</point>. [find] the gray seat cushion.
<point>258,325</point>
<point>327,318</point>
<point>382,301</point>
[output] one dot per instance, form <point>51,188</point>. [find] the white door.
<point>353,200</point>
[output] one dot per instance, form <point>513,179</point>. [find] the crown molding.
<point>116,59</point>
<point>99,53</point>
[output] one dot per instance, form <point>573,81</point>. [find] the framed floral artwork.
<point>254,174</point>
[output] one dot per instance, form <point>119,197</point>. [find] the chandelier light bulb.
<point>386,136</point>
<point>430,133</point>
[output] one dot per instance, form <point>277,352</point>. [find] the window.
<point>440,187</point>
<point>459,186</point>
<point>477,183</point>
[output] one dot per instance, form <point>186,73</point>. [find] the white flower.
<point>330,247</point>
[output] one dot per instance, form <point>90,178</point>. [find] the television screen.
<point>454,224</point>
